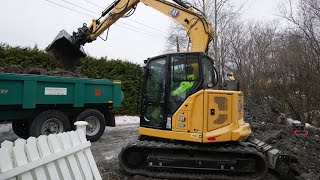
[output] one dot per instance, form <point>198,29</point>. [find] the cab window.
<point>184,78</point>
<point>208,75</point>
<point>155,93</point>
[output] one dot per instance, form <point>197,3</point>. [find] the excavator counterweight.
<point>65,50</point>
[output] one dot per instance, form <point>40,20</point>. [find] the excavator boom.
<point>68,48</point>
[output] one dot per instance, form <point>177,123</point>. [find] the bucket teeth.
<point>65,51</point>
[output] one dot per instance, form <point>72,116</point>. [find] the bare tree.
<point>178,35</point>
<point>304,19</point>
<point>220,13</point>
<point>304,15</point>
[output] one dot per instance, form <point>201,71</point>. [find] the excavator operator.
<point>186,85</point>
<point>181,86</point>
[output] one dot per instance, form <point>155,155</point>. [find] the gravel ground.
<point>107,148</point>
<point>6,133</point>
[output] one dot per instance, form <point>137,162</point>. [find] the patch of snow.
<point>311,127</point>
<point>109,155</point>
<point>123,120</point>
<point>5,127</point>
<point>292,121</point>
<point>308,125</point>
<point>108,158</point>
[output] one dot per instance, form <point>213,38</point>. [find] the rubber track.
<point>162,173</point>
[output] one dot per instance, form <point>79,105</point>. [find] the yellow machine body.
<point>207,116</point>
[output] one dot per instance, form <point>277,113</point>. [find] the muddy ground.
<point>304,151</point>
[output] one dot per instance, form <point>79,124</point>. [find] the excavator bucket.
<point>65,51</point>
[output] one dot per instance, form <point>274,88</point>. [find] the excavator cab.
<point>169,79</point>
<point>179,104</point>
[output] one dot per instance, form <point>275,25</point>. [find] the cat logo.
<point>174,13</point>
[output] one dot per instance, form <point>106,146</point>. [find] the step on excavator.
<point>188,128</point>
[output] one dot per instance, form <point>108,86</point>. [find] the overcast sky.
<point>143,35</point>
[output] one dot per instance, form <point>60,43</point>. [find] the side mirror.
<point>146,61</point>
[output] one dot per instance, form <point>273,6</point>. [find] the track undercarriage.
<point>183,160</point>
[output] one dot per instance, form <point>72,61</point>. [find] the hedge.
<point>102,68</point>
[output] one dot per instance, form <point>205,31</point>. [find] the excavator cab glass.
<point>154,98</point>
<point>169,80</point>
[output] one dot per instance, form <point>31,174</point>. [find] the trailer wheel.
<point>21,128</point>
<point>49,122</point>
<point>96,125</point>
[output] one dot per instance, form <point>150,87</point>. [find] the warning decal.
<point>55,91</point>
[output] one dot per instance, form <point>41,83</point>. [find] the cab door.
<point>153,111</point>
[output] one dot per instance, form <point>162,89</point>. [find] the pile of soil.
<point>304,151</point>
<point>38,71</point>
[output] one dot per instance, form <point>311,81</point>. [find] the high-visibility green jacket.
<point>184,86</point>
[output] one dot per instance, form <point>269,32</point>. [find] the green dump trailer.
<point>40,105</point>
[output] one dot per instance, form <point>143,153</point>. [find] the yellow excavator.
<point>188,128</point>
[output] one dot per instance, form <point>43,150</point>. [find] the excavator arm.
<point>68,49</point>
